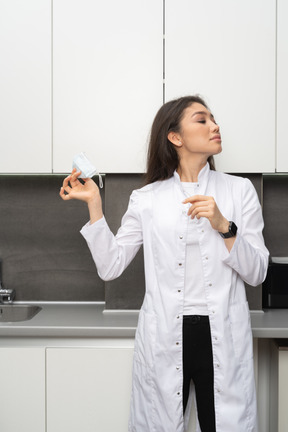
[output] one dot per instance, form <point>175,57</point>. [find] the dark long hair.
<point>162,158</point>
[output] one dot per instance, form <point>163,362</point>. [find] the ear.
<point>175,139</point>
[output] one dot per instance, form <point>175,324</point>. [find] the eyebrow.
<point>203,112</point>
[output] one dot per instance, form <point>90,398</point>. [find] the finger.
<point>68,178</point>
<point>201,210</point>
<point>74,177</point>
<point>199,204</point>
<point>195,198</point>
<point>64,196</point>
<point>68,191</point>
<point>75,174</point>
<point>66,181</point>
<point>201,214</point>
<point>74,171</point>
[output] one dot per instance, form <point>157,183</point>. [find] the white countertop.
<point>272,323</point>
<point>91,320</point>
<point>73,320</point>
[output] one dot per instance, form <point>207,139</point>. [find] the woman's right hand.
<point>87,191</point>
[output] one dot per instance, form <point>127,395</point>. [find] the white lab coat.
<point>157,218</point>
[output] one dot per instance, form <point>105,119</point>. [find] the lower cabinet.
<point>88,389</point>
<point>22,389</point>
<point>63,389</point>
<point>77,388</point>
<point>278,386</point>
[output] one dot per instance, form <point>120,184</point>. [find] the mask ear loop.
<point>100,181</point>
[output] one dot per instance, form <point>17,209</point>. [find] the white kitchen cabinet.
<point>73,387</point>
<point>107,81</point>
<point>225,51</point>
<point>279,383</point>
<point>282,85</point>
<point>25,86</point>
<point>88,389</point>
<point>22,406</point>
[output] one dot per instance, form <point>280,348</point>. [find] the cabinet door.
<point>225,51</point>
<point>107,81</point>
<point>282,85</point>
<point>278,386</point>
<point>88,389</point>
<point>22,406</point>
<point>25,86</point>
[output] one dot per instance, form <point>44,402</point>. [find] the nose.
<point>215,127</point>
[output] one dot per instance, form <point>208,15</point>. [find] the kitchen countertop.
<point>73,320</point>
<point>91,320</point>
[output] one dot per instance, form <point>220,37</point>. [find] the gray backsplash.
<point>45,257</point>
<point>127,291</point>
<point>275,209</point>
<point>254,294</point>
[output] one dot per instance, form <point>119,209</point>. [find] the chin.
<point>219,150</point>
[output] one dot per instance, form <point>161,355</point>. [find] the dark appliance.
<point>275,286</point>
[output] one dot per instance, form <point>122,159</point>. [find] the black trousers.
<point>198,367</point>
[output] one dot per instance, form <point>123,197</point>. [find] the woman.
<point>202,237</point>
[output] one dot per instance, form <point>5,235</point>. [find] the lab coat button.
<point>178,393</point>
<point>177,343</point>
<point>180,264</point>
<point>181,237</point>
<point>179,290</point>
<point>178,316</point>
<point>177,368</point>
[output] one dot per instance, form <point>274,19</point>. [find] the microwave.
<point>275,286</point>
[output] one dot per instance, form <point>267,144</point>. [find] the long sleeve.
<point>249,256</point>
<point>112,254</point>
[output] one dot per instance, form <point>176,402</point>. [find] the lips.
<point>216,137</point>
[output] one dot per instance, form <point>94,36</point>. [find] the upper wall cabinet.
<point>225,51</point>
<point>282,86</point>
<point>107,81</point>
<point>25,86</point>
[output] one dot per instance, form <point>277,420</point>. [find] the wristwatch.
<point>232,231</point>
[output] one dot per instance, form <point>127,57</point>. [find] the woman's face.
<point>199,132</point>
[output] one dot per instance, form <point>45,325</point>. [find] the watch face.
<point>232,231</point>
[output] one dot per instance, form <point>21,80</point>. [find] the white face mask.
<point>82,163</point>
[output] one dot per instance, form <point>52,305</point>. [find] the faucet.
<point>6,295</point>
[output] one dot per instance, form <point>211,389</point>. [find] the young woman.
<point>202,237</point>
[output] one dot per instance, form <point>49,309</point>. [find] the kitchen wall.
<point>58,82</point>
<point>45,257</point>
<point>275,208</point>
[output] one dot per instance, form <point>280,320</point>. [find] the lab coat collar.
<point>203,178</point>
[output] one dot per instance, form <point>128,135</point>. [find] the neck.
<point>189,172</point>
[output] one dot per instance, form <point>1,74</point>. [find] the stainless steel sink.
<point>16,312</point>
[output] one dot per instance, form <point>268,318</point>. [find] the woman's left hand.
<point>205,206</point>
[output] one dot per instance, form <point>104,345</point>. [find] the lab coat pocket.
<point>145,339</point>
<point>241,331</point>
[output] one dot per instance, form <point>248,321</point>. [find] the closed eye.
<point>204,113</point>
